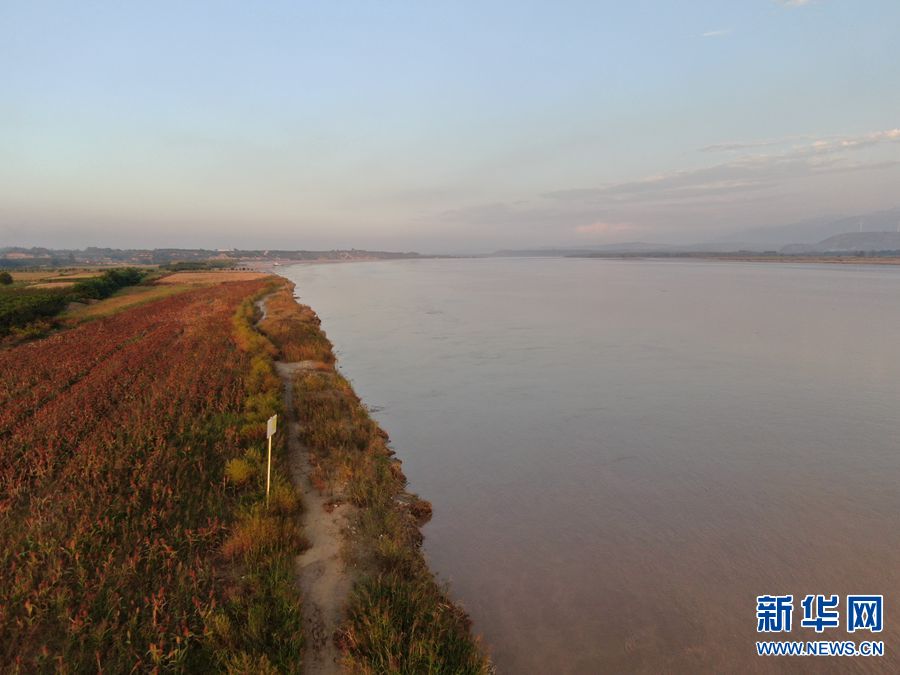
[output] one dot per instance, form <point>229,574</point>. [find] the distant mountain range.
<point>633,247</point>
<point>817,229</point>
<point>849,242</point>
<point>869,232</point>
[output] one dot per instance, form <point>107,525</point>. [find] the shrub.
<point>97,288</point>
<point>19,307</point>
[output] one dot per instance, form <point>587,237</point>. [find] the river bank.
<point>762,258</point>
<point>370,601</point>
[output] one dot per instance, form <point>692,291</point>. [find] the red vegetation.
<point>113,440</point>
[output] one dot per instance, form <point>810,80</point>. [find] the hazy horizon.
<point>441,128</point>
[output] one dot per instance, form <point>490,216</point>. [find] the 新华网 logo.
<point>774,613</point>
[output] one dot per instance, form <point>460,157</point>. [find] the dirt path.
<point>324,580</point>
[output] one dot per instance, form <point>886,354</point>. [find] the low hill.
<point>849,242</point>
<point>817,229</point>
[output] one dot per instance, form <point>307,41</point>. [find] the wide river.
<point>622,455</point>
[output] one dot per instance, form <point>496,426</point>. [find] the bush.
<point>5,278</point>
<point>19,307</point>
<point>107,283</point>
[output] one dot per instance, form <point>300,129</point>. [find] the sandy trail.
<point>323,579</point>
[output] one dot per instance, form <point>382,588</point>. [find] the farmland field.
<point>55,275</point>
<point>114,507</point>
<point>125,298</point>
<point>210,277</point>
<point>136,532</point>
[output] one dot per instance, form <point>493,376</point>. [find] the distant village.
<point>20,257</point>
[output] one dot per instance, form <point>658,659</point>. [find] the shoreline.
<point>383,608</point>
<point>804,260</point>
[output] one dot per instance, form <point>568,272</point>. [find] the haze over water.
<point>622,455</point>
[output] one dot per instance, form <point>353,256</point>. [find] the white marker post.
<point>271,424</point>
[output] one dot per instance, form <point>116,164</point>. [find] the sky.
<point>441,126</point>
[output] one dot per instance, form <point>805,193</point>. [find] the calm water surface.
<point>623,454</point>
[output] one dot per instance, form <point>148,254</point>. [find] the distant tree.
<point>106,284</point>
<point>5,278</point>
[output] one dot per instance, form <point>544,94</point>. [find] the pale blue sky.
<point>440,125</point>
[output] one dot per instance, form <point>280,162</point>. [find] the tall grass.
<point>258,628</point>
<point>294,329</point>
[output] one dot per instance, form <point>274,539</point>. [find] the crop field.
<point>30,310</point>
<point>55,275</point>
<point>210,277</point>
<point>114,503</point>
<point>53,284</point>
<point>135,534</point>
<point>125,298</point>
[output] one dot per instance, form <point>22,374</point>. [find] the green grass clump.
<point>238,471</point>
<point>405,624</point>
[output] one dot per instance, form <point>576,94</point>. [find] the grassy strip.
<point>294,329</point>
<point>61,274</point>
<point>258,629</point>
<point>400,620</point>
<point>126,298</point>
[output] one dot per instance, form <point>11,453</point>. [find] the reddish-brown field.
<point>135,533</point>
<point>113,439</point>
<point>211,277</point>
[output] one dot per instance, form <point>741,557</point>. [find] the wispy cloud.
<point>718,32</point>
<point>794,3</point>
<point>751,177</point>
<point>733,146</point>
<point>748,172</point>
<point>860,141</point>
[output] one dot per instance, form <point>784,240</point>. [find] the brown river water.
<point>622,455</point>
